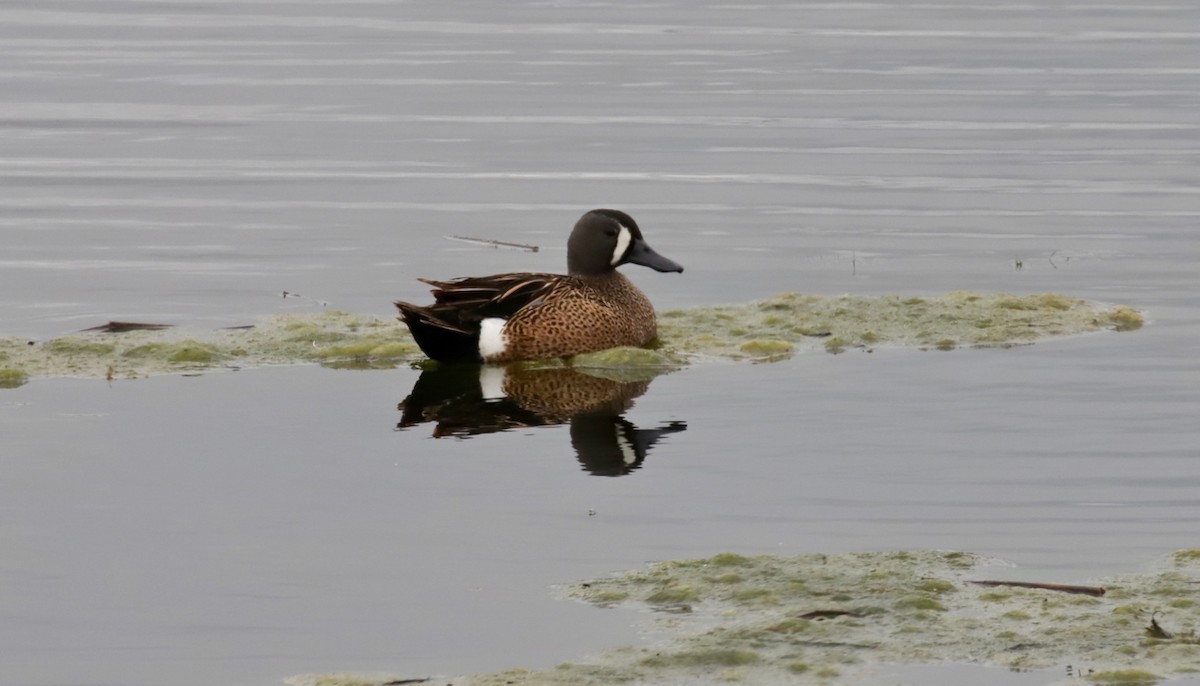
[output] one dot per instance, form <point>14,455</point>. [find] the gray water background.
<point>188,162</point>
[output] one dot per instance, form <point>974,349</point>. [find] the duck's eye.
<point>610,232</point>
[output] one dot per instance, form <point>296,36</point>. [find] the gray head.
<point>606,239</point>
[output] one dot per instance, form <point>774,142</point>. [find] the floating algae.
<point>838,619</point>
<point>766,331</point>
<point>837,323</point>
<point>331,338</point>
<point>12,378</point>
<point>1127,677</point>
<point>623,364</point>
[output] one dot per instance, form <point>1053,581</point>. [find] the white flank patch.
<point>491,337</point>
<point>491,381</point>
<point>623,239</point>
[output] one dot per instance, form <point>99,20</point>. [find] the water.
<point>188,163</point>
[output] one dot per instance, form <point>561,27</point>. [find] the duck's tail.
<point>437,338</point>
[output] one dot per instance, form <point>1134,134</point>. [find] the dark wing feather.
<point>472,299</point>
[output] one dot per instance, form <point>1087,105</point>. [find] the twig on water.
<point>828,614</point>
<point>495,243</point>
<point>1155,630</point>
<point>290,294</point>
<point>1065,588</point>
<point>122,327</point>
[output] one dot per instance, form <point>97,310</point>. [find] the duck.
<point>518,316</point>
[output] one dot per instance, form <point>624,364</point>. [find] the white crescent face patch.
<point>628,454</point>
<point>623,240</point>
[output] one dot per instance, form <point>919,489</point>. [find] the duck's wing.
<point>472,299</point>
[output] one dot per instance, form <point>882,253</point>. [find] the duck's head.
<point>606,239</point>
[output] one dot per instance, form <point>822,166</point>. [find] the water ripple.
<point>30,113</point>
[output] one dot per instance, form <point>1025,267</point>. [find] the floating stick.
<point>1065,588</point>
<point>122,327</point>
<point>495,243</point>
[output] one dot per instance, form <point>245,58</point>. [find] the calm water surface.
<point>187,163</point>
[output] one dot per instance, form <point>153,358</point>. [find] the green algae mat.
<point>836,619</point>
<point>769,330</point>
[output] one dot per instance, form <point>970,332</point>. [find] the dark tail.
<point>437,338</point>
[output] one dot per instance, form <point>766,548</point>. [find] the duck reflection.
<point>466,400</point>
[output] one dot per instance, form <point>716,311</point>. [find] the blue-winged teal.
<point>509,317</point>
